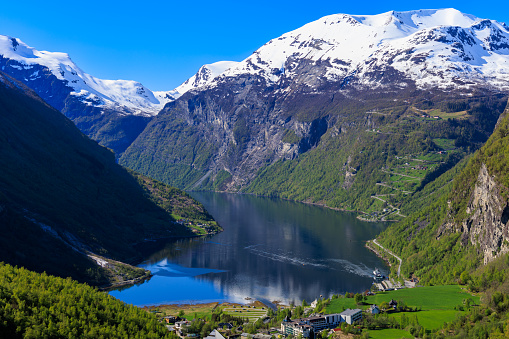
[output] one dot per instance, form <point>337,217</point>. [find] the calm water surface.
<point>270,250</point>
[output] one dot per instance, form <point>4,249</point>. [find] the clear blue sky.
<point>162,43</point>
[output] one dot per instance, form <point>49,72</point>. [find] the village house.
<point>314,303</point>
<point>171,319</point>
<point>226,326</point>
<point>374,309</point>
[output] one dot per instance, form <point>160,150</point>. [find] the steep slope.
<point>466,225</point>
<point>62,196</point>
<point>321,113</point>
<point>113,112</point>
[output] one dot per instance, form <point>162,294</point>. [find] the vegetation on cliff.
<point>370,168</point>
<point>435,244</point>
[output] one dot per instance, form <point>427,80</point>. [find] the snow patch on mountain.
<point>205,75</point>
<point>132,95</point>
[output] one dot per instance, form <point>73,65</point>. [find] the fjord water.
<point>270,249</point>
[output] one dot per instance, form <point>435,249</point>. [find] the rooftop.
<point>351,312</point>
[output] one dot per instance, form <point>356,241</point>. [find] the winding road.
<point>394,255</point>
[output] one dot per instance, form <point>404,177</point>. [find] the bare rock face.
<point>487,225</point>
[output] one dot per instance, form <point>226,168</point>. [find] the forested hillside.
<point>62,196</point>
<point>391,154</point>
<point>36,305</point>
<point>461,220</point>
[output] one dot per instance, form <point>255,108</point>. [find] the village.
<point>261,322</point>
<point>199,227</point>
<point>388,310</point>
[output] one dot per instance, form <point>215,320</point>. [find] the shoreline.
<point>135,262</point>
<point>286,199</point>
<point>367,245</point>
<point>128,283</point>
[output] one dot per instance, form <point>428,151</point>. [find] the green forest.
<point>36,305</point>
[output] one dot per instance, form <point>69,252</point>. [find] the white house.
<point>350,316</point>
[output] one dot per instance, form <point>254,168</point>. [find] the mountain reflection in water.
<point>270,249</point>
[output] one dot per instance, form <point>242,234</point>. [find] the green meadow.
<point>435,304</point>
<point>390,333</point>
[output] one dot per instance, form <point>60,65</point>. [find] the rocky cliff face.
<point>487,225</point>
<point>239,127</point>
<point>483,197</point>
<point>242,124</point>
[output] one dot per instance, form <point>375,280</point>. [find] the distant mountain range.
<point>129,97</point>
<point>427,48</point>
<point>231,119</point>
<point>113,112</point>
<point>397,51</point>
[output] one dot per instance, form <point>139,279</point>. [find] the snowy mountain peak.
<point>437,47</point>
<point>205,75</point>
<point>131,95</point>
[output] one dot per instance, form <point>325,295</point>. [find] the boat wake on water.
<point>330,264</point>
<point>285,258</point>
<point>358,269</point>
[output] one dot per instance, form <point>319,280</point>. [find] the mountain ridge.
<point>357,45</point>
<point>131,96</point>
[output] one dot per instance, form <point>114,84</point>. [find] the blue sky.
<point>162,43</point>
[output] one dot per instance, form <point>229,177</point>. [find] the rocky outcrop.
<point>487,224</point>
<point>238,127</point>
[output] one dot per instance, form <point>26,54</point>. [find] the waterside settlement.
<point>234,320</point>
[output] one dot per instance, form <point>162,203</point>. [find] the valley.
<point>391,126</point>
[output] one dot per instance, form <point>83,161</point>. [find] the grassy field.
<point>191,311</point>
<point>339,305</point>
<point>436,304</point>
<point>431,320</point>
<point>445,115</point>
<point>204,311</point>
<point>446,144</point>
<point>390,333</point>
<point>440,113</point>
<point>427,298</point>
<point>251,312</point>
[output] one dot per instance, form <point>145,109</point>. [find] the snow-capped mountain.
<point>322,82</point>
<point>130,96</point>
<point>205,75</point>
<point>439,48</point>
<point>112,112</point>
